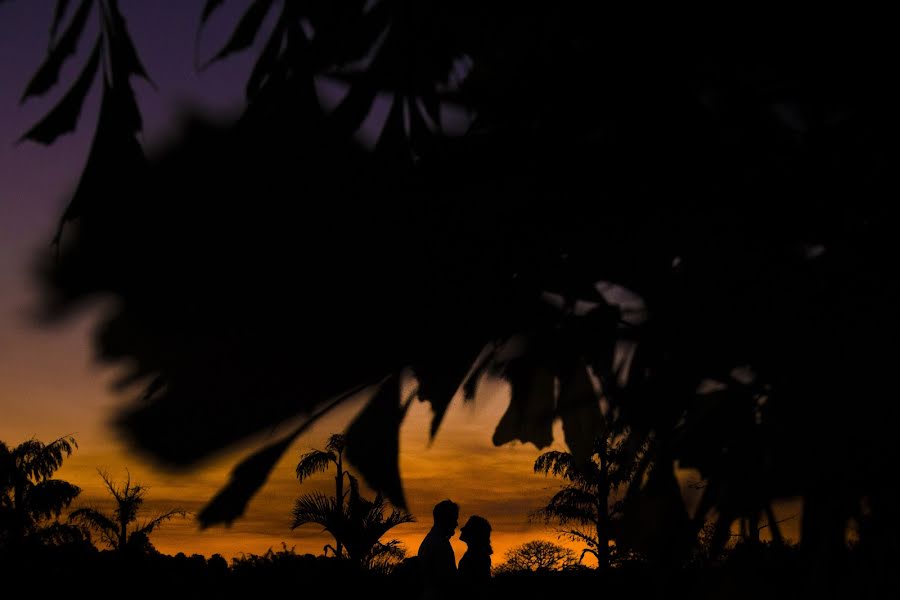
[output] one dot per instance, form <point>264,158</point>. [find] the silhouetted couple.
<point>440,575</point>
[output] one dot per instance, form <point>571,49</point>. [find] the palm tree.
<point>587,500</point>
<point>28,494</point>
<point>357,525</point>
<point>316,461</point>
<point>114,529</point>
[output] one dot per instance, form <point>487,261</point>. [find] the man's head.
<point>446,516</point>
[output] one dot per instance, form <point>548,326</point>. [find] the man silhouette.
<point>438,562</point>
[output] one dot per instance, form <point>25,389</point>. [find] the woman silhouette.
<point>475,565</point>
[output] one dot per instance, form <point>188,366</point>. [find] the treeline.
<point>749,570</point>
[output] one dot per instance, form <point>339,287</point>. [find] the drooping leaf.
<point>431,102</point>
<point>115,159</point>
<point>125,59</point>
<point>470,385</point>
<point>529,417</point>
<point>249,476</point>
<point>48,73</point>
<point>245,480</point>
<point>579,408</point>
<point>373,444</point>
<point>349,115</point>
<point>439,379</point>
<point>655,521</point>
<point>246,30</point>
<point>123,101</point>
<point>392,141</point>
<point>64,116</point>
<point>209,8</point>
<point>268,58</point>
<point>59,14</point>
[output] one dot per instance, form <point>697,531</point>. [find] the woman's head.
<point>476,531</point>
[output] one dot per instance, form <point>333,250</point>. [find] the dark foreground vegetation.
<point>748,571</point>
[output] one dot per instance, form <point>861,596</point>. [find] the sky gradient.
<point>50,386</point>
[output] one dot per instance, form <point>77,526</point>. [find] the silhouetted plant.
<point>357,525</point>
<point>537,556</point>
<point>29,496</point>
<point>588,499</point>
<point>316,461</point>
<point>116,530</point>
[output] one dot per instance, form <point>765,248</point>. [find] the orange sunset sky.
<point>50,386</point>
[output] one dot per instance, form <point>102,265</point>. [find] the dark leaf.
<point>579,408</point>
<point>58,14</point>
<point>252,472</point>
<point>432,104</point>
<point>529,417</point>
<point>419,134</point>
<point>124,56</point>
<point>123,102</point>
<point>349,115</point>
<point>268,59</point>
<point>246,30</point>
<point>114,162</point>
<point>392,141</point>
<point>655,522</point>
<point>209,8</point>
<point>438,381</point>
<point>470,385</point>
<point>246,479</point>
<point>154,386</point>
<point>373,441</point>
<point>64,116</point>
<point>48,73</point>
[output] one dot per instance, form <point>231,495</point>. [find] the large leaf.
<point>269,57</point>
<point>529,417</point>
<point>373,441</point>
<point>250,475</point>
<point>124,56</point>
<point>64,116</point>
<point>48,73</point>
<point>349,115</point>
<point>245,480</point>
<point>655,521</point>
<point>115,162</point>
<point>440,377</point>
<point>59,14</point>
<point>246,30</point>
<point>579,408</point>
<point>209,8</point>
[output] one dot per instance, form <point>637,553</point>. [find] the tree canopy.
<point>29,496</point>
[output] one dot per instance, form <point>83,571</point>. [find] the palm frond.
<point>316,508</point>
<point>336,443</point>
<point>313,462</point>
<point>564,465</point>
<point>93,519</point>
<point>147,528</point>
<point>570,504</point>
<point>576,535</point>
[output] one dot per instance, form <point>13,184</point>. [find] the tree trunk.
<point>603,524</point>
<point>123,536</point>
<point>339,495</point>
